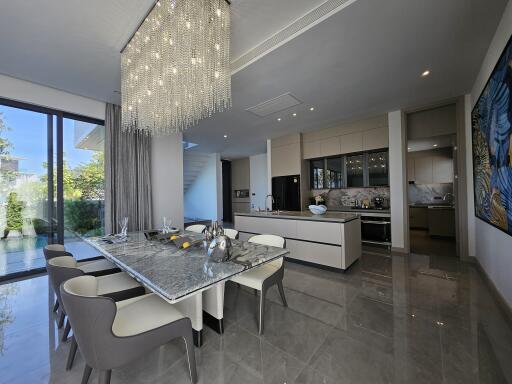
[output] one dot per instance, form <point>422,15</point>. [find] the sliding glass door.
<point>51,184</point>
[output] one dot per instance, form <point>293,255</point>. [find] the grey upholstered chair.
<point>111,335</point>
<point>263,277</point>
<point>92,267</point>
<point>118,286</point>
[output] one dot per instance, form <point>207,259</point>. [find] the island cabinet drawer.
<point>328,255</point>
<point>262,225</point>
<point>321,232</point>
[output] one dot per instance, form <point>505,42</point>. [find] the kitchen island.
<point>331,240</point>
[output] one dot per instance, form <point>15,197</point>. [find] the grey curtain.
<point>127,175</point>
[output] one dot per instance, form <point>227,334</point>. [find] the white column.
<point>398,181</point>
<point>167,179</point>
<point>269,167</point>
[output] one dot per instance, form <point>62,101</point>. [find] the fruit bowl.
<point>317,209</point>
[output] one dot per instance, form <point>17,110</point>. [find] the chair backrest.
<point>231,233</point>
<point>55,250</point>
<point>198,228</point>
<point>91,317</point>
<point>61,269</point>
<point>270,240</point>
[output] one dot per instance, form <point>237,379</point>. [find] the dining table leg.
<point>192,307</point>
<point>213,307</point>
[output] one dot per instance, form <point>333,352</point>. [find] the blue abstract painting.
<point>492,151</point>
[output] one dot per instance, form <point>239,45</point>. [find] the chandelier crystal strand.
<point>175,70</point>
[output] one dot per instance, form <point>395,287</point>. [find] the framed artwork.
<point>491,121</point>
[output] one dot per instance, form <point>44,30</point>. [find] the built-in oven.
<point>376,230</point>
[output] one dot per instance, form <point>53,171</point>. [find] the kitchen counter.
<point>332,240</point>
<point>329,216</point>
<point>360,210</point>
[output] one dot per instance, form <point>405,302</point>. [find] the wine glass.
<point>123,223</point>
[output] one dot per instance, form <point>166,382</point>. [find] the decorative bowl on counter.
<point>317,209</point>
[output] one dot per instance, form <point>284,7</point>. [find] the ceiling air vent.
<point>277,104</point>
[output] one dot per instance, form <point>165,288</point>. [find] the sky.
<point>28,136</point>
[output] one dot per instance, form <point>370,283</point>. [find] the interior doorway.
<point>431,177</point>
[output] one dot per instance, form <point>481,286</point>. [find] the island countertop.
<point>334,217</point>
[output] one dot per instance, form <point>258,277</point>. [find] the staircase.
<point>193,163</point>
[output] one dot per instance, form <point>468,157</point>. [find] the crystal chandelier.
<point>175,68</point>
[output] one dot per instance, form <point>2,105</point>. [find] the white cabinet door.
<point>319,231</point>
<point>329,255</point>
<point>423,170</point>
<point>353,142</point>
<point>330,147</point>
<point>410,169</point>
<point>442,169</point>
<point>311,149</point>
<point>286,160</point>
<point>375,139</point>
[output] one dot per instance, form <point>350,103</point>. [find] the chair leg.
<point>262,310</point>
<point>87,374</point>
<point>61,319</point>
<point>104,377</point>
<point>281,292</point>
<point>191,356</point>
<point>56,305</point>
<point>67,328</point>
<point>72,353</point>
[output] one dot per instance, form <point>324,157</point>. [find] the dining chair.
<point>231,233</point>
<point>111,335</point>
<point>263,277</point>
<point>97,267</point>
<point>198,228</point>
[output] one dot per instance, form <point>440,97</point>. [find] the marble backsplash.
<point>428,193</point>
<point>340,198</point>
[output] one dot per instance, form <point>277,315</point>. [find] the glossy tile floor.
<point>388,319</point>
<point>423,244</point>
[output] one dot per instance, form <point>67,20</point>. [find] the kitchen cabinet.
<point>355,171</point>
<point>418,217</point>
<point>441,221</point>
<point>430,169</point>
<point>286,160</point>
<point>352,142</point>
<point>377,138</point>
<point>423,170</point>
<point>442,169</point>
<point>330,147</point>
<point>311,149</point>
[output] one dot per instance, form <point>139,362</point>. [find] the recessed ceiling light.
<point>435,145</point>
<point>425,73</point>
<point>225,136</point>
<point>409,148</point>
<point>278,119</point>
<point>312,108</point>
<point>294,114</point>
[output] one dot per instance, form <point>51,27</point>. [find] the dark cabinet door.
<point>355,171</point>
<point>378,169</point>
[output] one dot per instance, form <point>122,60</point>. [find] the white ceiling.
<point>364,60</point>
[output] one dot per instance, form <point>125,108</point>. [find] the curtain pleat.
<point>127,175</point>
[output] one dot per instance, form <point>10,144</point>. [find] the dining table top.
<point>175,273</point>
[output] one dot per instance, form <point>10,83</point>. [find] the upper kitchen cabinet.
<point>377,138</point>
<point>430,167</point>
<point>330,147</point>
<point>311,149</point>
<point>353,142</point>
<point>378,174</point>
<point>423,170</point>
<point>355,170</point>
<point>286,155</point>
<point>442,169</point>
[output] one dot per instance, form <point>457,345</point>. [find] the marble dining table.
<point>187,278</point>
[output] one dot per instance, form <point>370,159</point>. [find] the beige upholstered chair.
<point>231,233</point>
<point>266,275</point>
<point>198,228</point>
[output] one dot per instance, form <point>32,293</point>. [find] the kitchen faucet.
<point>266,199</point>
<point>449,196</point>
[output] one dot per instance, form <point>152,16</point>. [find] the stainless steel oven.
<point>376,230</point>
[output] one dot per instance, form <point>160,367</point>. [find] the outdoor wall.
<point>27,92</point>
<point>258,180</point>
<point>202,197</point>
<point>492,246</point>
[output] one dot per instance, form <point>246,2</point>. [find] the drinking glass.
<point>123,223</point>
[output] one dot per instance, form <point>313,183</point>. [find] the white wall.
<point>202,197</point>
<point>167,179</point>
<point>492,247</point>
<point>258,180</point>
<point>31,93</point>
<point>397,181</point>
